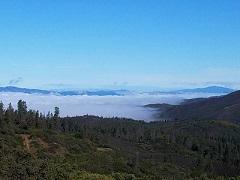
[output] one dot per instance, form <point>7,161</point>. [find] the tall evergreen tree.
<point>22,113</point>
<point>9,114</point>
<point>1,111</point>
<point>56,118</point>
<point>56,112</point>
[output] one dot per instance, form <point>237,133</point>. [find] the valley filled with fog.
<point>129,106</point>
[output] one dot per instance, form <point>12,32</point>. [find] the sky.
<point>119,43</point>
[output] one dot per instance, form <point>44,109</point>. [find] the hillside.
<point>218,108</point>
<point>34,146</point>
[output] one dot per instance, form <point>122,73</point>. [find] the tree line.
<point>25,118</point>
<point>210,146</point>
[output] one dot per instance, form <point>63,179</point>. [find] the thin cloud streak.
<point>15,81</point>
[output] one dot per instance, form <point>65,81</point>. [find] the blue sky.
<point>120,43</point>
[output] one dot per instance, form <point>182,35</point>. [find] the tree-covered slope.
<point>35,146</point>
<point>219,108</point>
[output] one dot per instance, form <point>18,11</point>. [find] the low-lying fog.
<point>107,106</point>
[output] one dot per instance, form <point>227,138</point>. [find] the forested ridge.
<point>38,146</point>
<point>224,107</point>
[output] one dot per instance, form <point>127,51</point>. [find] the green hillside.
<point>35,146</point>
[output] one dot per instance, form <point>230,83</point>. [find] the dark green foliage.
<point>56,112</point>
<point>33,146</point>
<point>1,111</point>
<point>22,111</point>
<point>219,108</point>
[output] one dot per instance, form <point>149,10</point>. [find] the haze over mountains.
<point>210,89</point>
<point>106,103</point>
<point>63,93</point>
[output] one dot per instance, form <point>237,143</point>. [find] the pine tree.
<point>22,110</point>
<point>1,111</point>
<point>56,118</point>
<point>56,112</point>
<point>9,114</point>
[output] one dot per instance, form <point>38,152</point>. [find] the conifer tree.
<point>1,111</point>
<point>22,110</point>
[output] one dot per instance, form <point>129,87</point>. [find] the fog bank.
<point>106,106</point>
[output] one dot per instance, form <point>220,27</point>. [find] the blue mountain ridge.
<point>64,93</point>
<point>210,89</point>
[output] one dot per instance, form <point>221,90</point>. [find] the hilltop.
<point>218,108</point>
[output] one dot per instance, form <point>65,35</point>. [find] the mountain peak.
<point>209,89</point>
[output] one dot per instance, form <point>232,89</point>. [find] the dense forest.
<point>38,146</point>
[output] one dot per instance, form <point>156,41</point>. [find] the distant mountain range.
<point>24,90</point>
<point>211,89</point>
<point>64,93</point>
<point>225,107</point>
